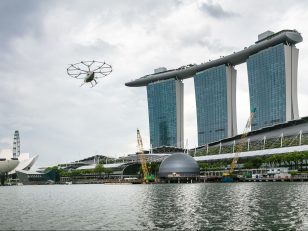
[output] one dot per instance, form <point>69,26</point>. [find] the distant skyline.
<point>61,122</point>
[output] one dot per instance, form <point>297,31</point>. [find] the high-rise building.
<point>272,75</point>
<point>165,105</point>
<point>215,103</point>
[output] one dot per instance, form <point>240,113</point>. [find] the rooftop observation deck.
<point>290,37</point>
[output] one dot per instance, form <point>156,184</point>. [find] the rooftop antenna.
<point>16,145</point>
<point>89,71</point>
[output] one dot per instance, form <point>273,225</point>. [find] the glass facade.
<point>164,112</point>
<point>267,86</point>
<point>211,104</point>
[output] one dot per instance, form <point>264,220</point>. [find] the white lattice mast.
<point>16,145</point>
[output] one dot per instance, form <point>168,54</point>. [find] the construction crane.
<point>241,145</point>
<point>141,157</point>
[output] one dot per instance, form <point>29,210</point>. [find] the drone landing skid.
<point>92,85</point>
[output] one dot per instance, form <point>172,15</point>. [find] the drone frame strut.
<point>82,69</point>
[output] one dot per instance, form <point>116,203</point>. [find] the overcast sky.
<point>60,121</point>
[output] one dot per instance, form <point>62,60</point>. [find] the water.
<point>237,206</point>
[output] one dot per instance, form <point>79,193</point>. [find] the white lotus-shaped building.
<point>10,165</point>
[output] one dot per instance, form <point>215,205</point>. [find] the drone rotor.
<point>89,69</point>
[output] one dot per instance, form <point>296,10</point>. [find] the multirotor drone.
<point>89,71</point>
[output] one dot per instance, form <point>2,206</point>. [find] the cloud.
<point>18,18</point>
<point>215,10</point>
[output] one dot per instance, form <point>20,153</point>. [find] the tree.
<point>253,163</point>
<point>298,159</point>
<point>289,158</point>
<point>306,158</point>
<point>153,168</point>
<point>99,169</point>
<point>108,171</point>
<point>248,164</point>
<point>271,160</point>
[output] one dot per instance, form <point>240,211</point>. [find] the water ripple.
<point>242,206</point>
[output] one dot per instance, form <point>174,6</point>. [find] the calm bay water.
<point>241,206</point>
